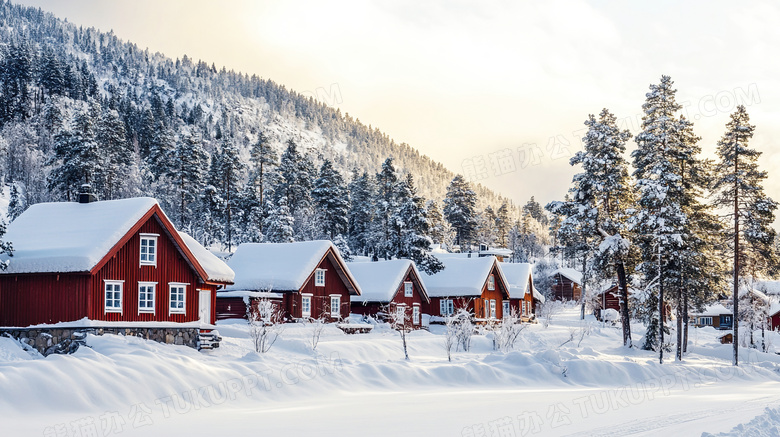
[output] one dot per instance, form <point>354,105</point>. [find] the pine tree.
<point>278,225</point>
<point>226,175</point>
<point>383,231</point>
<point>438,228</point>
<point>660,224</point>
<point>297,176</point>
<point>265,160</point>
<point>738,186</point>
<point>413,227</point>
<point>116,155</point>
<point>190,162</point>
<point>503,224</point>
<point>361,211</point>
<point>460,206</point>
<point>76,157</point>
<point>16,204</point>
<point>331,199</point>
<point>605,172</point>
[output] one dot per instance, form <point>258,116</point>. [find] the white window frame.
<point>506,308</point>
<point>177,285</point>
<point>446,307</point>
<point>416,314</point>
<point>493,309</point>
<point>156,250</point>
<point>152,309</point>
<point>113,309</point>
<point>306,302</point>
<point>400,314</point>
<point>319,278</point>
<point>525,307</point>
<point>705,320</point>
<point>408,289</point>
<point>491,282</point>
<point>486,306</point>
<point>335,299</point>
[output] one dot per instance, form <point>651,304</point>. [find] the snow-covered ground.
<point>360,385</point>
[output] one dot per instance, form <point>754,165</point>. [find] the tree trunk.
<point>582,292</point>
<point>685,323</point>
<point>624,313</point>
<point>679,323</point>
<point>735,297</point>
<point>660,309</point>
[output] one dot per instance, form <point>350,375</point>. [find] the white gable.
<point>461,276</point>
<point>68,236</point>
<point>380,280</point>
<point>215,268</point>
<point>278,266</point>
<point>572,274</point>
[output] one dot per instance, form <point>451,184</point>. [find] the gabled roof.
<point>215,268</point>
<point>70,237</point>
<point>380,281</point>
<point>571,274</point>
<point>518,276</point>
<point>284,266</point>
<point>713,310</point>
<point>462,276</point>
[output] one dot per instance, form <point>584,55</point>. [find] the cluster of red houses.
<point>123,263</point>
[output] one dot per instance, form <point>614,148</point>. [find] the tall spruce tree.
<point>413,228</point>
<point>460,210</point>
<point>278,225</point>
<point>361,211</point>
<point>383,231</point>
<point>739,189</point>
<point>190,162</point>
<point>331,199</point>
<point>660,223</point>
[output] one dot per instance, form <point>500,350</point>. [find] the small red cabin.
<point>393,285</point>
<point>524,297</point>
<point>475,284</point>
<point>114,261</point>
<point>567,284</point>
<point>308,280</point>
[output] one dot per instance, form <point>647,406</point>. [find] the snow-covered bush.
<point>265,324</point>
<point>507,331</point>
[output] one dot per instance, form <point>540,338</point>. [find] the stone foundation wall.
<point>67,340</point>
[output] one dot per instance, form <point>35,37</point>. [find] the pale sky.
<point>468,82</point>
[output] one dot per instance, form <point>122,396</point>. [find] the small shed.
<point>567,284</point>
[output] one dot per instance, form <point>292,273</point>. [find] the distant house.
<point>118,261</point>
<point>308,280</point>
<point>715,315</point>
<point>475,284</point>
<point>501,253</point>
<point>389,286</point>
<point>523,296</point>
<point>567,284</point>
<point>609,298</point>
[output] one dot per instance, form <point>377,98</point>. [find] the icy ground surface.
<point>360,385</point>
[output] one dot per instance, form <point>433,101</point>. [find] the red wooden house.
<point>109,261</point>
<point>393,285</point>
<point>567,284</point>
<point>475,284</point>
<point>307,280</point>
<point>523,296</point>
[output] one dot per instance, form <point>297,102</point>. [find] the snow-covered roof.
<point>713,310</point>
<point>64,237</point>
<point>280,266</point>
<point>769,287</point>
<point>461,276</point>
<point>758,294</point>
<point>379,281</point>
<point>517,276</point>
<point>215,268</point>
<point>573,275</point>
<point>496,251</point>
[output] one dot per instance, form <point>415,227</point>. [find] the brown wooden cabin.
<point>475,284</point>
<point>715,315</point>
<point>115,260</point>
<point>307,280</point>
<point>524,297</point>
<point>609,298</point>
<point>389,286</point>
<point>567,284</point>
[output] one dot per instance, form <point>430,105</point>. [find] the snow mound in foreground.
<point>764,425</point>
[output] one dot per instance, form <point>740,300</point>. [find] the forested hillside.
<point>82,106</point>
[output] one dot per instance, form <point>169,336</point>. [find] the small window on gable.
<point>407,289</point>
<point>178,298</point>
<point>113,296</point>
<point>149,249</point>
<point>491,282</point>
<point>319,278</point>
